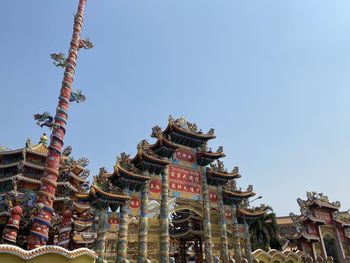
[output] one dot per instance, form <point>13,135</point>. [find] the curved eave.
<point>305,236</point>
<point>82,195</point>
<point>42,154</point>
<point>251,213</point>
<point>11,152</point>
<point>322,204</point>
<point>205,158</point>
<point>182,220</point>
<point>121,172</point>
<point>210,155</point>
<point>239,194</point>
<point>188,232</point>
<point>3,166</point>
<point>342,223</point>
<point>199,136</point>
<point>164,143</point>
<point>119,197</point>
<point>77,177</point>
<point>223,175</point>
<point>21,178</point>
<point>142,156</point>
<point>312,219</point>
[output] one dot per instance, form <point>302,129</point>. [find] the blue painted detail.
<point>176,194</point>
<point>194,165</point>
<point>175,161</point>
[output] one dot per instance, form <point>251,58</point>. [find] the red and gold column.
<point>46,195</point>
<point>10,232</point>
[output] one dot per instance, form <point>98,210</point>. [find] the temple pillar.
<point>123,232</point>
<point>65,229</point>
<point>236,236</point>
<point>100,242</point>
<point>10,232</point>
<point>143,226</point>
<point>339,245</point>
<point>208,251</point>
<point>223,227</point>
<point>248,246</point>
<point>164,218</point>
<point>323,247</point>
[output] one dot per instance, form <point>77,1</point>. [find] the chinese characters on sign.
<point>185,155</point>
<point>184,180</point>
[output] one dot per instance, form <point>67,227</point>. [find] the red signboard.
<point>228,214</point>
<point>213,196</point>
<point>134,203</point>
<point>184,155</point>
<point>184,180</point>
<point>155,186</point>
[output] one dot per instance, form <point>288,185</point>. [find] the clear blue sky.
<point>272,78</point>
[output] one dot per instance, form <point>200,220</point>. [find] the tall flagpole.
<point>46,195</point>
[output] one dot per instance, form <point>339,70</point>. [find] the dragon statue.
<point>59,60</point>
<point>86,44</point>
<point>44,119</point>
<point>77,96</point>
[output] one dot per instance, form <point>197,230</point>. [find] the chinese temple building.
<point>21,173</point>
<point>183,203</point>
<point>321,230</point>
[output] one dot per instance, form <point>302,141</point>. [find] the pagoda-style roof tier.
<point>342,223</point>
<point>186,234</point>
<point>303,235</point>
<point>342,218</point>
<point>238,194</point>
<point>163,146</point>
<point>230,191</point>
<point>147,160</point>
<point>319,200</point>
<point>186,218</point>
<point>108,197</point>
<point>185,133</point>
<point>251,213</point>
<point>217,174</point>
<point>206,156</point>
<point>128,174</point>
<point>311,218</point>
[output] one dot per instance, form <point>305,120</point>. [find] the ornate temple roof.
<point>320,200</point>
<point>218,173</point>
<point>147,159</point>
<point>126,169</point>
<point>342,218</point>
<point>185,133</point>
<point>230,191</point>
<point>106,195</point>
<point>303,235</point>
<point>205,156</point>
<point>252,212</point>
<point>163,146</point>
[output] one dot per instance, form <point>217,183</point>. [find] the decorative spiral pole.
<point>10,232</point>
<point>42,218</point>
<point>65,229</point>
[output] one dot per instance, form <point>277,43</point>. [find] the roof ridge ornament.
<point>315,196</point>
